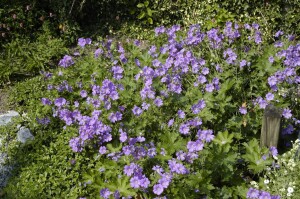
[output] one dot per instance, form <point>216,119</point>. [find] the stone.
<point>24,135</point>
<point>6,118</point>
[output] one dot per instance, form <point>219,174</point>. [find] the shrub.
<point>177,118</point>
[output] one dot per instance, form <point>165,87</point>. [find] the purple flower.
<point>158,189</point>
<point>205,135</point>
<point>273,151</point>
<point>278,33</point>
<point>257,37</point>
<point>66,61</point>
<point>137,62</point>
<point>139,181</point>
<point>46,101</point>
<point>271,59</point>
<point>118,72</point>
<point>181,114</point>
<point>195,122</point>
<point>123,135</point>
<point>177,167</point>
<point>201,79</point>
<point>247,26</point>
<point>75,144</point>
<point>129,170</point>
<point>243,110</point>
<point>102,150</point>
<point>253,193</point>
<point>60,102</point>
<point>135,182</point>
<point>164,181</point>
<point>288,130</point>
<point>145,106</point>
<point>243,63</point>
<point>278,44</point>
<point>114,117</point>
<point>151,152</point>
<point>261,102</point>
<point>158,169</point>
<point>81,42</point>
<point>195,146</point>
<point>170,122</point>
<point>287,113</point>
<point>98,52</point>
<point>264,195</point>
<point>209,88</point>
<point>230,56</point>
<point>159,30</point>
<point>136,42</point>
<point>76,104</point>
<point>184,129</point>
<point>272,81</point>
<point>163,151</point>
<point>137,110</point>
<point>43,121</point>
<point>196,108</point>
<point>105,193</point>
<point>158,102</point>
<point>269,96</point>
<point>218,68</point>
<point>255,26</point>
<point>275,197</point>
<point>83,93</point>
<point>205,71</point>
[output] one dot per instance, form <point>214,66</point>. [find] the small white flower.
<point>266,181</point>
<point>290,189</point>
<point>253,183</point>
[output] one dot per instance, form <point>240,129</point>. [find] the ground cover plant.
<point>177,116</point>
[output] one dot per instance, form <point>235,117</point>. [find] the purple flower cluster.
<point>118,72</point>
<point>82,41</point>
<point>230,56</point>
<point>230,33</point>
<point>163,183</point>
<point>43,121</point>
<point>257,194</point>
<point>66,61</point>
<point>108,91</point>
<point>138,179</point>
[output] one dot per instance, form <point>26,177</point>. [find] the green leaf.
<point>140,5</point>
<point>149,12</point>
<point>141,15</point>
<point>150,21</point>
<point>146,3</point>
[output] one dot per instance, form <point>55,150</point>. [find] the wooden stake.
<point>270,126</point>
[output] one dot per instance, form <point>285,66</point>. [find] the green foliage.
<point>145,12</point>
<point>256,156</point>
<point>24,57</point>
<point>51,175</point>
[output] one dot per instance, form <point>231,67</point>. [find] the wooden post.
<point>270,126</point>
